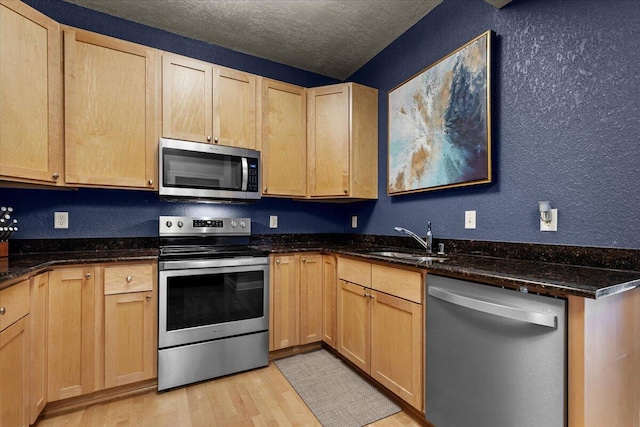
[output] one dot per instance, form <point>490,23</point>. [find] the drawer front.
<point>354,271</point>
<point>128,278</point>
<point>399,282</point>
<point>14,303</point>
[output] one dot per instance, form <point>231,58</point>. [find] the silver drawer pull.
<point>148,297</point>
<point>513,313</point>
<point>2,311</point>
<point>87,276</point>
<point>129,279</point>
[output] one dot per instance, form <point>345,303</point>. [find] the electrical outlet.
<point>550,225</point>
<point>470,220</point>
<point>354,221</point>
<point>61,220</point>
<point>273,221</point>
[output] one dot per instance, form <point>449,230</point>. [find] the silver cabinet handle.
<point>215,140</point>
<point>2,311</point>
<point>129,279</point>
<point>372,296</point>
<point>304,260</point>
<point>148,297</point>
<point>87,276</point>
<point>150,182</point>
<point>278,261</point>
<point>208,138</point>
<point>513,313</point>
<point>266,190</point>
<point>56,175</point>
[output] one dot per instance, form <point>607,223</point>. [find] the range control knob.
<point>169,224</point>
<point>233,224</point>
<point>180,224</point>
<point>243,224</point>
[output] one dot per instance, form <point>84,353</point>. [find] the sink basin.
<point>408,256</point>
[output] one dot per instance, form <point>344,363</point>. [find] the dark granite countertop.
<point>544,278</point>
<point>20,265</point>
<point>539,269</point>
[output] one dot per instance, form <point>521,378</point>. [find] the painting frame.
<point>452,136</point>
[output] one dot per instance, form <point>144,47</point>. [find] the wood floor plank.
<point>258,398</point>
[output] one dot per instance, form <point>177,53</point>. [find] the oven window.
<point>190,169</point>
<point>214,298</point>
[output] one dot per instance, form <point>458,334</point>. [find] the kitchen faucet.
<point>427,244</point>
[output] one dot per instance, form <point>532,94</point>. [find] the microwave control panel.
<point>252,183</point>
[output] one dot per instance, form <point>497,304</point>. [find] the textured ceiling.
<point>329,37</point>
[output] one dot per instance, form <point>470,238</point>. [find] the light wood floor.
<point>261,397</point>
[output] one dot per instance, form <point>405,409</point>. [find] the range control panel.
<point>198,226</point>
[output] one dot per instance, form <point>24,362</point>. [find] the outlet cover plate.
<point>551,225</point>
<point>273,221</point>
<point>470,220</point>
<point>61,220</point>
<point>354,221</point>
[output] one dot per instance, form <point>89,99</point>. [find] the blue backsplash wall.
<point>566,126</point>
<point>566,122</point>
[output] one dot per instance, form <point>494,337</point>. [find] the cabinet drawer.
<point>128,278</point>
<point>397,281</point>
<point>354,271</point>
<point>14,303</point>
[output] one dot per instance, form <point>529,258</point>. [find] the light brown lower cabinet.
<point>295,300</point>
<point>38,337</point>
<point>73,333</point>
<point>14,355</point>
<point>130,347</point>
<point>382,332</point>
<point>329,294</point>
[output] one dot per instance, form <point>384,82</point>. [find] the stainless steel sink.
<point>408,256</point>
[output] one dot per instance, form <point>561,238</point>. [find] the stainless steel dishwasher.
<point>494,357</point>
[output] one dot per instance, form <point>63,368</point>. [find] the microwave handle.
<point>245,173</point>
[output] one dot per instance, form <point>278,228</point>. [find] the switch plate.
<point>273,221</point>
<point>551,225</point>
<point>470,220</point>
<point>354,221</point>
<point>61,220</point>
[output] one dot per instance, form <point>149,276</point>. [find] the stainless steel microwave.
<point>194,170</point>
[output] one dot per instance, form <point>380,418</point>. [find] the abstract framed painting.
<point>440,123</point>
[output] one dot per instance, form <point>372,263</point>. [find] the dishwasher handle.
<point>536,318</point>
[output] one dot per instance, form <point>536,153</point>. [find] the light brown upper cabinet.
<point>110,111</point>
<point>30,96</point>
<point>284,139</point>
<point>342,142</point>
<point>202,102</point>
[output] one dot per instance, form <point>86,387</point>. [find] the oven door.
<point>202,304</point>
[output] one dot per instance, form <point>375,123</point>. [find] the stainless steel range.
<point>213,300</point>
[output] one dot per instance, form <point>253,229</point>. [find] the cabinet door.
<point>30,95</point>
<point>284,139</point>
<point>38,345</point>
<point>71,333</point>
<point>396,346</point>
<point>284,308</point>
<point>14,371</point>
<point>329,284</point>
<point>129,332</point>
<point>234,108</point>
<point>328,140</point>
<point>110,111</point>
<point>354,341</point>
<point>186,99</point>
<point>310,318</point>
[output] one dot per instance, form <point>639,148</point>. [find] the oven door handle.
<point>245,174</point>
<point>212,263</point>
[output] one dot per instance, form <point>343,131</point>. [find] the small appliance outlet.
<point>354,221</point>
<point>273,221</point>
<point>551,225</point>
<point>61,220</point>
<point>470,220</point>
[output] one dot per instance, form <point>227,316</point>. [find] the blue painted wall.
<point>566,122</point>
<point>565,129</point>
